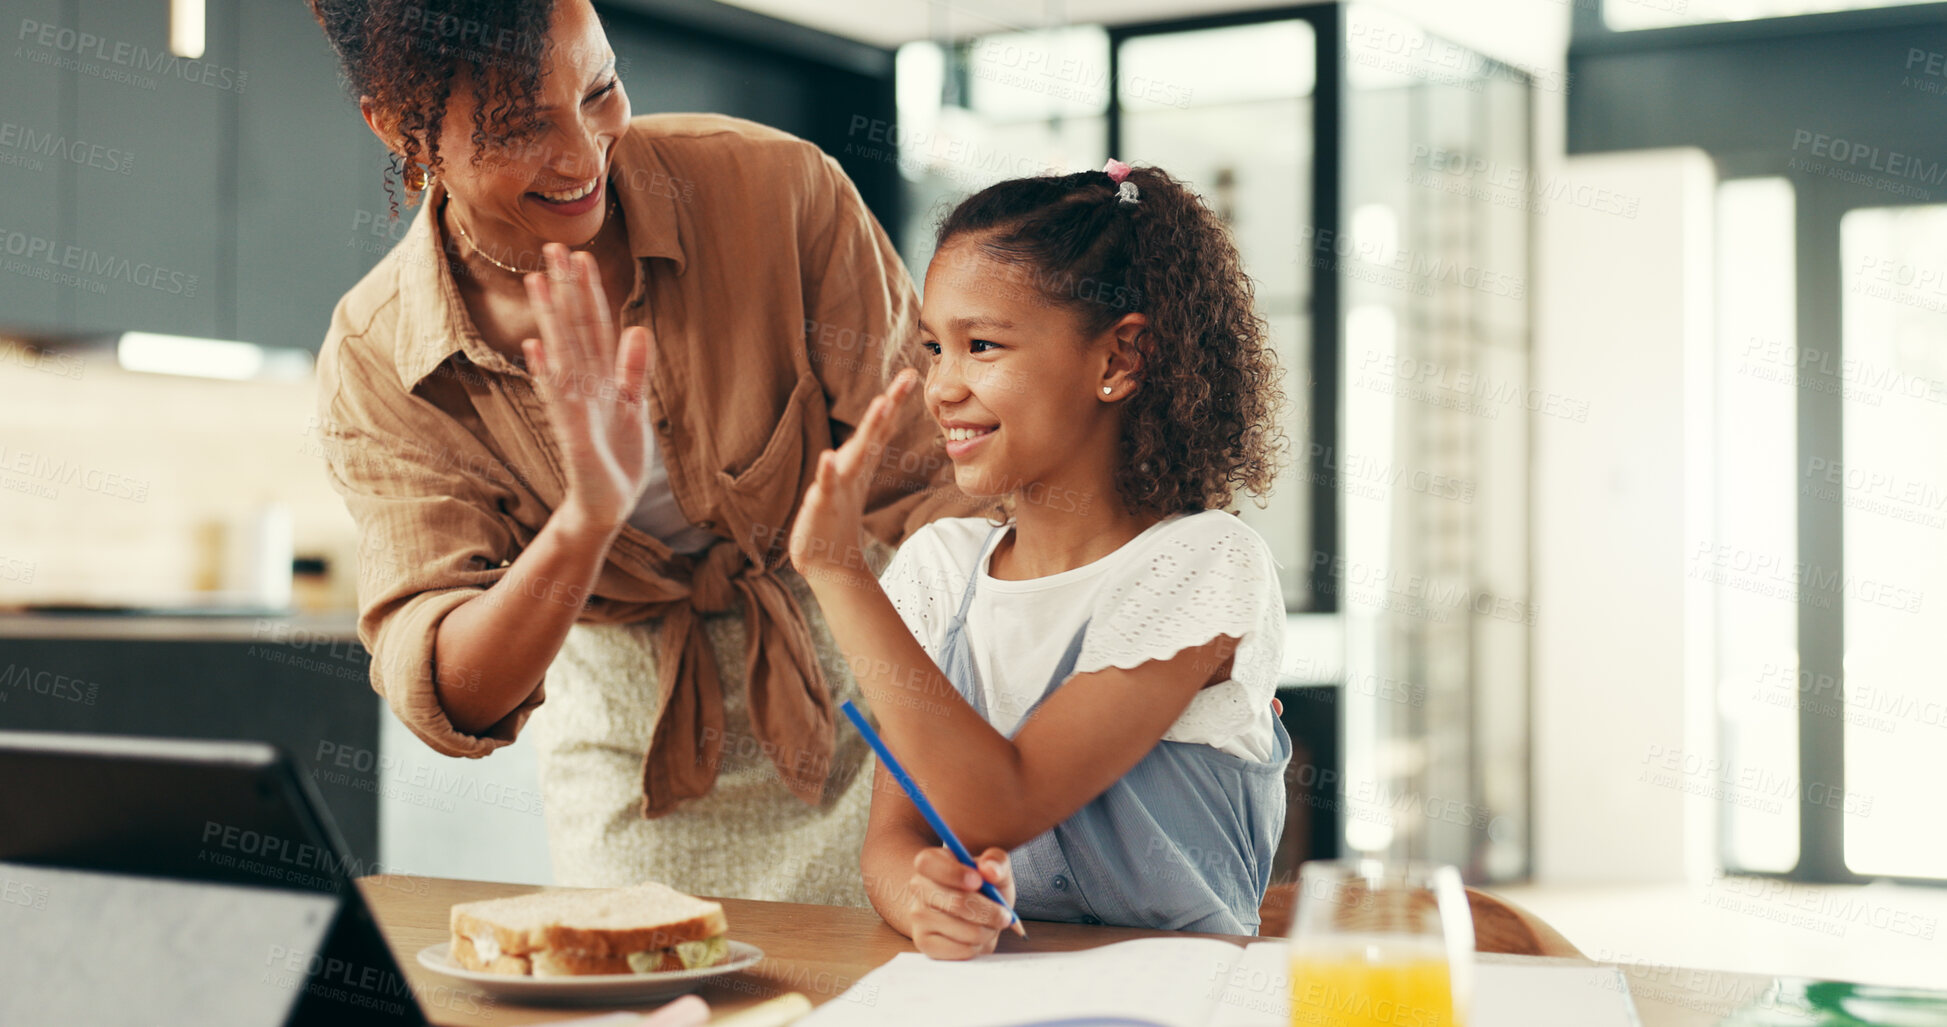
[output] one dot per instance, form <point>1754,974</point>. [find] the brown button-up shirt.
<point>777,304</point>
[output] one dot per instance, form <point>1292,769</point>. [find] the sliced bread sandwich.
<point>644,928</point>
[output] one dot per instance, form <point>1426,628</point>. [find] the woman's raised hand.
<point>595,387</point>
<point>826,537</point>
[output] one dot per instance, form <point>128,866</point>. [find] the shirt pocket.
<point>760,497</point>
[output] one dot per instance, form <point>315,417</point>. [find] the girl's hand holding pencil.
<point>826,537</point>
<point>950,918</point>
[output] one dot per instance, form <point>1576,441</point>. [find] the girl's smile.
<point>963,438</point>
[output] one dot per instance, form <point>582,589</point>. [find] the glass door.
<point>1433,263</point>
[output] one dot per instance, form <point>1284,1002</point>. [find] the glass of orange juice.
<point>1376,944</point>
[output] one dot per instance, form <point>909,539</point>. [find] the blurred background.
<point>1617,330</point>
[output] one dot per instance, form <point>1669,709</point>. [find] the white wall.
<point>445,817</point>
<point>1623,314</point>
<point>119,487</point>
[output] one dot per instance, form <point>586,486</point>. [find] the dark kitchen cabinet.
<point>33,172</point>
<point>217,197</point>
<point>239,195</point>
<point>310,205</point>
<point>672,71</point>
<point>152,246</point>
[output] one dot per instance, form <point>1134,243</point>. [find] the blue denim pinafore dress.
<point>1183,842</point>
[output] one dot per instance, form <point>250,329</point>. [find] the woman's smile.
<point>572,201</point>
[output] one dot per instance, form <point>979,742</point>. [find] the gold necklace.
<point>484,255</point>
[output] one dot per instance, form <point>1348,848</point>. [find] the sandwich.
<point>563,932</point>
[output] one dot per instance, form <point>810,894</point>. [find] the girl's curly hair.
<point>1204,419</point>
<point>407,54</point>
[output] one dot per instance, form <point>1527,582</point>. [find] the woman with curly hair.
<point>1085,689</point>
<point>572,413</point>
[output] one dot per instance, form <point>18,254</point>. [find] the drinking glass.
<point>1376,944</point>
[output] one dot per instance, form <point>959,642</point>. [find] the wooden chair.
<point>1499,925</point>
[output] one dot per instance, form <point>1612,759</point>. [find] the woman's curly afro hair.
<point>1204,419</point>
<point>407,56</point>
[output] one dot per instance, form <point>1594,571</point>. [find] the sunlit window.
<point>1756,505</point>
<point>1893,485</point>
<point>994,107</point>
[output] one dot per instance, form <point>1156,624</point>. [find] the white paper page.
<point>1505,995</point>
<point>1508,995</point>
<point>1166,981</point>
<point>1257,993</point>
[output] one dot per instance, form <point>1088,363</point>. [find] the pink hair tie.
<point>1118,173</point>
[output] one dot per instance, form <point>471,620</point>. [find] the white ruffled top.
<point>1182,582</point>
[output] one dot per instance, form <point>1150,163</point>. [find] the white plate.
<point>592,988</point>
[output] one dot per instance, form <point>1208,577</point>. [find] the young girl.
<point>1085,689</point>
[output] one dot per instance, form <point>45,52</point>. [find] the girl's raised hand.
<point>826,537</point>
<point>949,917</point>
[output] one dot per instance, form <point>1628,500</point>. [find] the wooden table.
<point>823,950</point>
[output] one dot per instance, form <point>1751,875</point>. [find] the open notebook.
<point>1180,982</point>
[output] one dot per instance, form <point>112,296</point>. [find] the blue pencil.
<point>926,810</point>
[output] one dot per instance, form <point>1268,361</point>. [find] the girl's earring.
<point>1106,390</point>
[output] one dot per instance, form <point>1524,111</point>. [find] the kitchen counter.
<point>157,626</point>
